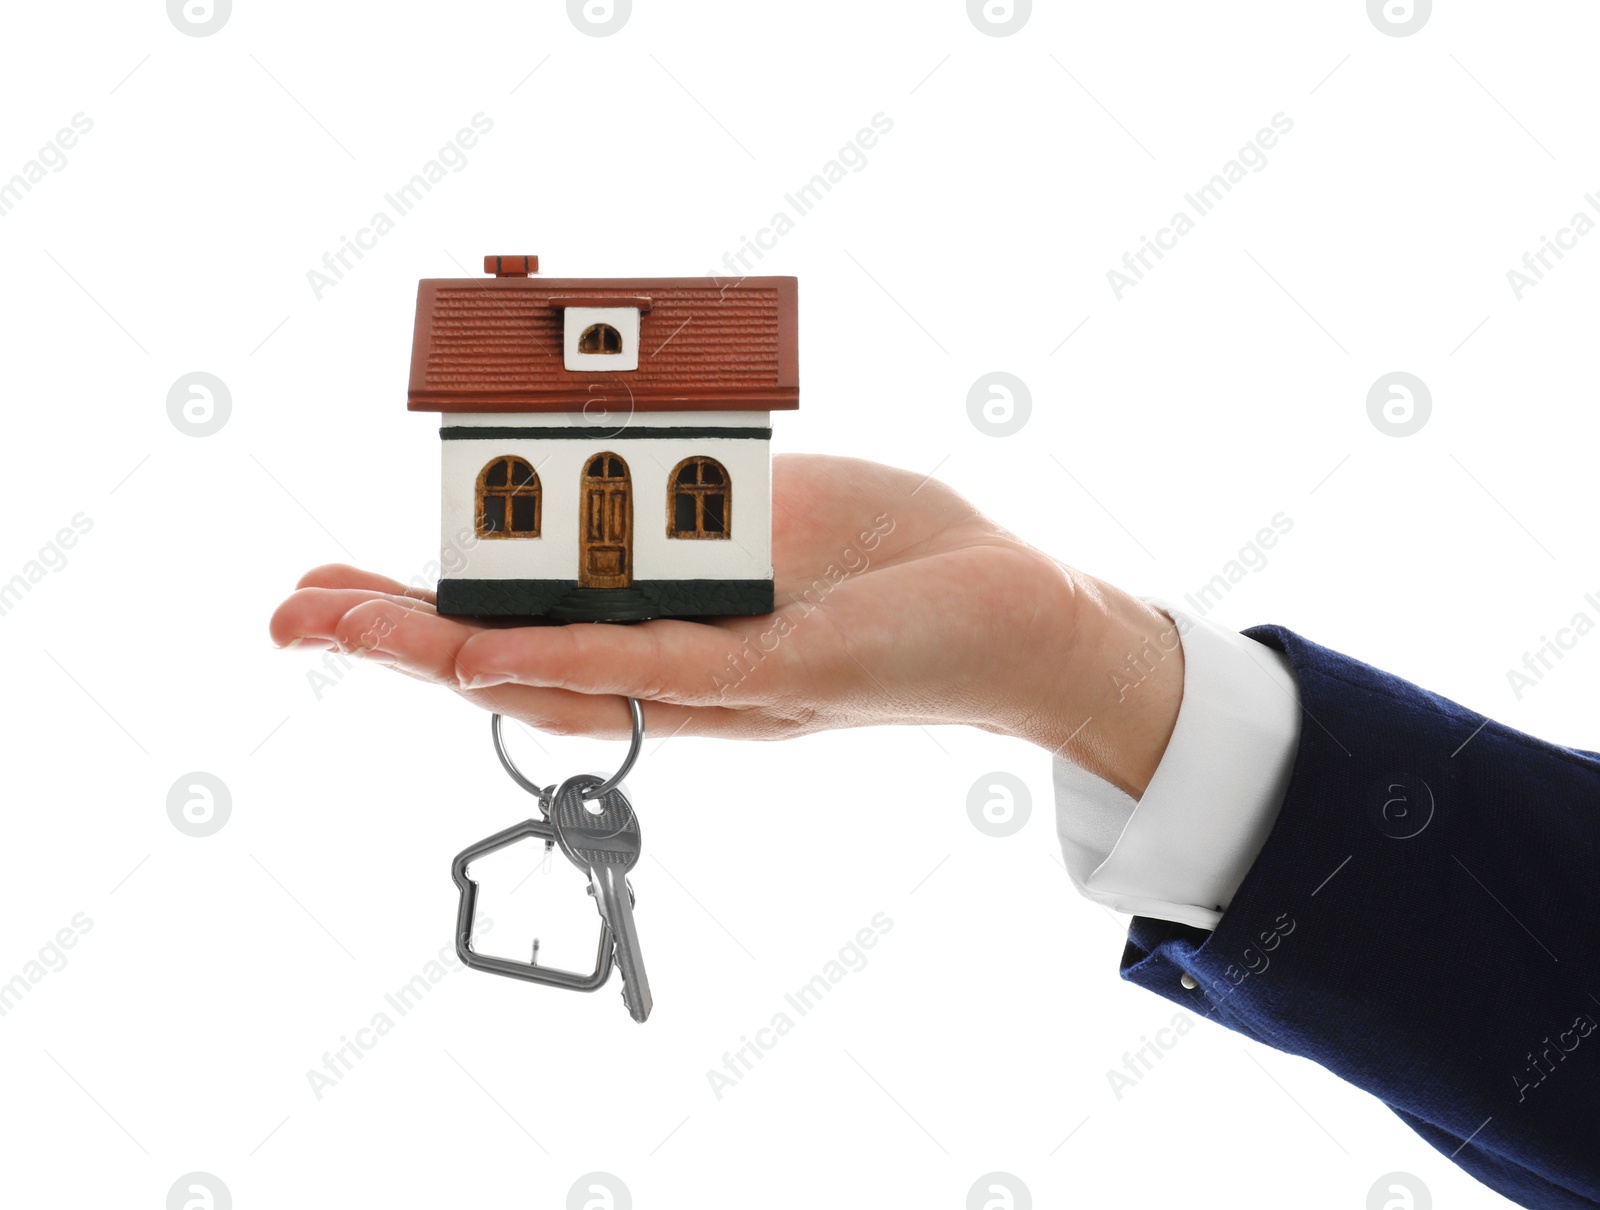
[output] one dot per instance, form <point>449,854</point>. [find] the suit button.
<point>1188,982</point>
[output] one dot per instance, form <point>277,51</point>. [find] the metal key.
<point>605,844</point>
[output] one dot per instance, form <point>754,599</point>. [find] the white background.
<point>1228,386</point>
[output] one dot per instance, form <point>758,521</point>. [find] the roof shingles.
<point>494,345</point>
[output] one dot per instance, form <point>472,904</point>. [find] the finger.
<point>563,712</point>
<point>687,663</point>
<point>426,645</point>
<point>312,614</point>
<point>405,633</point>
<point>342,575</point>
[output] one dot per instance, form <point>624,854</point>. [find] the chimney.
<point>511,266</point>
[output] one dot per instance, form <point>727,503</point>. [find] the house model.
<point>606,441</point>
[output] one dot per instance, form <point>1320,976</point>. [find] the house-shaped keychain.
<point>606,441</point>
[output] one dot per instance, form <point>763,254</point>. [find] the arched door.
<point>605,541</point>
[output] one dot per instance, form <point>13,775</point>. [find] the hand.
<point>897,603</point>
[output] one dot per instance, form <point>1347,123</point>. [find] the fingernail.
<point>305,641</point>
<point>481,680</point>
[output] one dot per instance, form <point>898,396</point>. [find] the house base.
<point>565,601</point>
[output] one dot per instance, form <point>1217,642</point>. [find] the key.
<point>602,839</point>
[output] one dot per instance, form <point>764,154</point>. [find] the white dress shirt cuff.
<point>1180,852</point>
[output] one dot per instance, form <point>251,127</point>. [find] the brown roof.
<point>494,344</point>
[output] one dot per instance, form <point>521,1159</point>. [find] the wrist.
<point>1114,671</point>
<point>1143,690</point>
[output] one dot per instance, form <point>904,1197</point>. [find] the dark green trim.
<point>563,600</point>
<point>469,432</point>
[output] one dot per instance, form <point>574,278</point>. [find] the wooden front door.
<point>605,541</point>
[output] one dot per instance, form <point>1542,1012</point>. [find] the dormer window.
<point>601,339</point>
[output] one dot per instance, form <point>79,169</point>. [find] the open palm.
<point>897,602</point>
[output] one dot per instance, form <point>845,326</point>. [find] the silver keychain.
<point>603,841</point>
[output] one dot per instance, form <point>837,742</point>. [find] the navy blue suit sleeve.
<point>1424,922</point>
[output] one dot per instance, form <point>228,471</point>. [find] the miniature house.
<point>606,442</point>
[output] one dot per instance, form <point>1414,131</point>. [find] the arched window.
<point>508,500</point>
<point>606,466</point>
<point>600,338</point>
<point>698,499</point>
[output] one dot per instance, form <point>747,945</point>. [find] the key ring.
<point>543,794</point>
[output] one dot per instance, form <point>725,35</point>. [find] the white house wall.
<point>745,555</point>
